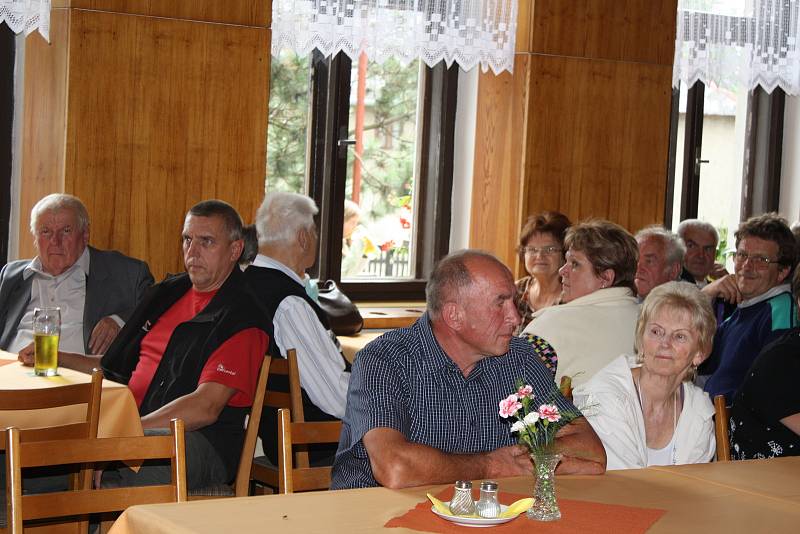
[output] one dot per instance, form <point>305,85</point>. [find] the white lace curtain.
<point>467,32</point>
<point>738,44</point>
<point>26,15</point>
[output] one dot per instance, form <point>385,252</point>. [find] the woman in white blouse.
<point>649,414</point>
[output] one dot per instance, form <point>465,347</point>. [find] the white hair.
<point>674,249</point>
<point>60,201</point>
<point>281,215</point>
<point>697,224</point>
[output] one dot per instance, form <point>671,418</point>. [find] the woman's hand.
<point>26,355</point>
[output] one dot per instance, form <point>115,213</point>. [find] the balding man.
<point>96,289</point>
<point>660,257</point>
<point>422,403</point>
<point>701,240</point>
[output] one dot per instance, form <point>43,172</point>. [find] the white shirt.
<point>322,369</point>
<point>67,291</point>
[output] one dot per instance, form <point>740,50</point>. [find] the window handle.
<point>697,163</point>
<point>343,144</point>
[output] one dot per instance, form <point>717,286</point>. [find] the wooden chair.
<point>290,433</point>
<point>21,454</point>
<point>241,485</point>
<point>721,422</point>
<point>263,472</point>
<point>46,398</point>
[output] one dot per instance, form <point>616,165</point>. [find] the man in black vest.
<point>192,350</point>
<point>287,239</point>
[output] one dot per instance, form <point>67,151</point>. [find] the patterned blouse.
<point>768,394</point>
<point>523,303</point>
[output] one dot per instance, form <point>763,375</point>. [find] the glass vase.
<point>545,505</point>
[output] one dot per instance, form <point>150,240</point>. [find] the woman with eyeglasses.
<point>649,412</point>
<point>541,250</point>
<point>595,321</point>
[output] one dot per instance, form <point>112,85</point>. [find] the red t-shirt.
<point>235,363</point>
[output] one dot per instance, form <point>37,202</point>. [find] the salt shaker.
<point>462,503</point>
<point>487,505</point>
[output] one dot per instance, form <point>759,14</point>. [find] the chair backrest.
<point>242,483</point>
<point>23,454</point>
<point>290,433</point>
<point>287,367</point>
<point>721,419</point>
<point>40,399</point>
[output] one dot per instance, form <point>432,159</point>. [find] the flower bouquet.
<point>536,426</point>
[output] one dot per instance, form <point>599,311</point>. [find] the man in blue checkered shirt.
<point>422,406</point>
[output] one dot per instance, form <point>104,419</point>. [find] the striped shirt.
<point>404,380</point>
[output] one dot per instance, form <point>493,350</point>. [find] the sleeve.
<point>144,279</point>
<point>544,350</point>
<point>775,372</point>
<point>321,365</point>
<point>613,422</point>
<point>236,364</point>
<point>377,396</point>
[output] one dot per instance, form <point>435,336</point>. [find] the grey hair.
<point>281,215</point>
<point>697,224</point>
<point>451,278</point>
<point>60,201</point>
<point>685,297</point>
<point>351,209</point>
<point>674,249</point>
<point>220,208</point>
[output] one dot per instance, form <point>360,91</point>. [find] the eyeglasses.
<point>544,251</point>
<point>758,260</point>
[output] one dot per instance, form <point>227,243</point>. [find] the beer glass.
<point>46,329</point>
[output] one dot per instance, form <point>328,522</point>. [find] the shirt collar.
<point>35,267</point>
<point>777,290</point>
<point>271,263</point>
<point>434,358</point>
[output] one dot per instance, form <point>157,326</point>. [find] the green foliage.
<point>722,246</point>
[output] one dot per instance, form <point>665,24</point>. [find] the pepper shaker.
<point>488,506</point>
<point>462,503</point>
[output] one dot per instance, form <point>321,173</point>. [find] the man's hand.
<point>724,288</point>
<point>26,355</point>
<point>103,334</point>
<point>718,271</point>
<point>509,461</point>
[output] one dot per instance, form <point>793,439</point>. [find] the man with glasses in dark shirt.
<point>764,258</point>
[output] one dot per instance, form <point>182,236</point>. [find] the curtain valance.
<point>467,32</point>
<point>26,15</point>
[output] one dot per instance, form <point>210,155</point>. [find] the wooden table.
<point>119,416</point>
<point>755,496</point>
<point>352,344</point>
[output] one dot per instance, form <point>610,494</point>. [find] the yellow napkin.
<point>513,509</point>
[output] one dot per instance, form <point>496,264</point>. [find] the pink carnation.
<point>525,391</point>
<point>549,412</point>
<point>509,406</point>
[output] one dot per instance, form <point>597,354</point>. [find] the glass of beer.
<point>46,329</point>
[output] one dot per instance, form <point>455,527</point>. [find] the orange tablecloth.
<point>692,503</point>
<point>119,416</point>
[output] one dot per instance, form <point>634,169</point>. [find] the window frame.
<point>327,164</point>
<point>761,166</point>
<point>7,60</point>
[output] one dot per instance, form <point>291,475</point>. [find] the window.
<point>727,156</point>
<point>372,144</point>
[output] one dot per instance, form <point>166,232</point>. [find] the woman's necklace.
<point>674,415</point>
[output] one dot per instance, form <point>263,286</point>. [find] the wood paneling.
<point>582,126</point>
<point>244,12</point>
<point>176,118</point>
<point>499,159</point>
<point>157,115</point>
<point>597,142</point>
<point>44,117</point>
<point>625,30</point>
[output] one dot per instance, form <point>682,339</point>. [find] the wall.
<point>142,109</point>
<point>790,163</point>
<point>582,125</point>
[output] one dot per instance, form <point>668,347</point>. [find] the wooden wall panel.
<point>163,113</point>
<point>497,199</point>
<point>597,142</point>
<point>42,169</point>
<point>244,12</point>
<point>582,125</point>
<point>626,30</point>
